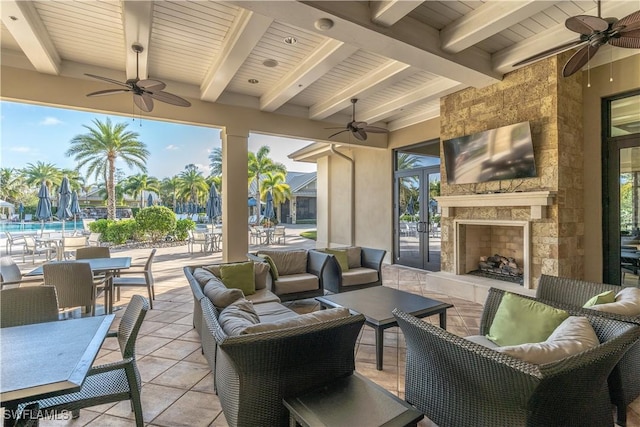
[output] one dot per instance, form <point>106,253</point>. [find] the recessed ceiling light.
<point>290,40</point>
<point>13,18</point>
<point>253,81</point>
<point>270,63</point>
<point>323,24</point>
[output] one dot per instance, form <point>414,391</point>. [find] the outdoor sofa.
<point>297,273</point>
<point>624,382</point>
<point>480,386</point>
<point>352,268</point>
<point>283,354</point>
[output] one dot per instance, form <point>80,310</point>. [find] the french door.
<point>417,218</point>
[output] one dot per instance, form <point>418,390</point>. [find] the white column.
<point>234,194</point>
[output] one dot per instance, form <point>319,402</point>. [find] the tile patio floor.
<point>177,383</point>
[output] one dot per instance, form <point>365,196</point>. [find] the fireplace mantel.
<point>536,200</point>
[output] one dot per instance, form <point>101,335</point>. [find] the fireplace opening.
<point>501,268</point>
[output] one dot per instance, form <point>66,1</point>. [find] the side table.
<point>350,401</point>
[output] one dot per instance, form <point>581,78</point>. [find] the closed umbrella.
<point>64,201</point>
<point>75,208</point>
<point>20,211</point>
<point>410,209</point>
<point>43,210</point>
<point>268,209</point>
<point>150,200</point>
<point>213,207</point>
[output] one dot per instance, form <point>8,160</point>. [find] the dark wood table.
<point>376,304</point>
<point>351,401</point>
<point>48,359</point>
<point>109,266</point>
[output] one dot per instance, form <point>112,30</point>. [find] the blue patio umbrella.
<point>75,208</point>
<point>268,209</point>
<point>150,200</point>
<point>213,208</point>
<point>251,202</point>
<point>20,211</point>
<point>43,210</point>
<point>64,201</point>
<point>410,209</point>
<point>178,208</point>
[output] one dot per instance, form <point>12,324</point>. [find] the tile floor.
<point>177,383</point>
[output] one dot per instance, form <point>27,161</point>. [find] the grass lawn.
<point>311,234</point>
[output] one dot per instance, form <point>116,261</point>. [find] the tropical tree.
<point>99,149</point>
<point>169,189</point>
<point>215,159</point>
<point>136,185</point>
<point>13,187</point>
<point>280,190</point>
<point>35,174</point>
<point>260,164</point>
<point>76,180</point>
<point>119,192</point>
<point>192,184</point>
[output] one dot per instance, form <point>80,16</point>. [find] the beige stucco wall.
<point>626,77</point>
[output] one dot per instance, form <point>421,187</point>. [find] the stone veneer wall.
<point>553,106</point>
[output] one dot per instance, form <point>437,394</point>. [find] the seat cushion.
<point>273,311</point>
<point>288,262</point>
<point>520,320</point>
<point>301,320</point>
<point>262,296</point>
<point>359,276</point>
<point>238,316</point>
<point>627,303</point>
<point>296,283</point>
<point>220,295</point>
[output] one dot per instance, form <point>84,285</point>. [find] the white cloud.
<point>20,149</point>
<point>50,121</point>
<point>205,169</point>
<point>171,147</point>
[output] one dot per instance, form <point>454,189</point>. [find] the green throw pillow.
<point>603,298</point>
<point>239,276</point>
<point>520,320</point>
<point>341,257</point>
<point>272,266</point>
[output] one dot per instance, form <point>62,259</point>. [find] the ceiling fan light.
<point>290,40</point>
<point>253,81</point>
<point>271,63</point>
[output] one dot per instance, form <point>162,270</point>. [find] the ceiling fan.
<point>144,91</point>
<point>594,31</point>
<point>358,129</point>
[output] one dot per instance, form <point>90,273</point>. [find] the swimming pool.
<point>36,225</point>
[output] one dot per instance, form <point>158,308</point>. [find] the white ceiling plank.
<point>323,59</point>
<point>384,76</point>
<point>137,17</point>
<point>555,36</point>
<point>244,34</point>
<point>412,42</point>
<point>414,119</point>
<point>486,21</point>
<point>435,89</point>
<point>388,12</point>
<point>26,27</point>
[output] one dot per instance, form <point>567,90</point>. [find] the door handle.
<point>421,227</point>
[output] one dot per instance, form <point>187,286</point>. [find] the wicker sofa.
<point>624,382</point>
<point>365,265</point>
<point>254,371</point>
<point>300,272</point>
<point>479,386</point>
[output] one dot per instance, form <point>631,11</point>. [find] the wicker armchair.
<point>115,381</point>
<point>254,372</point>
<point>478,386</point>
<point>31,304</point>
<point>624,382</point>
<point>75,284</point>
<point>333,278</point>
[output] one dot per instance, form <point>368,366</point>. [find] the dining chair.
<point>75,284</point>
<point>94,239</point>
<point>33,247</point>
<point>143,277</point>
<point>112,382</point>
<point>11,276</point>
<point>92,252</point>
<point>71,245</point>
<point>13,240</point>
<point>198,238</point>
<point>279,233</point>
<point>31,304</point>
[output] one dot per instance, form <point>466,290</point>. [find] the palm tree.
<point>259,164</point>
<point>192,184</point>
<point>169,189</point>
<point>101,147</point>
<point>76,181</point>
<point>215,159</point>
<point>136,185</point>
<point>280,190</point>
<point>13,187</point>
<point>39,172</point>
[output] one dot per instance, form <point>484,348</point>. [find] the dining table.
<point>108,266</point>
<point>47,359</point>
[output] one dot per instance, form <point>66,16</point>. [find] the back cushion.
<point>354,257</point>
<point>220,295</point>
<point>237,317</point>
<point>203,276</point>
<point>302,320</point>
<point>627,303</point>
<point>289,262</point>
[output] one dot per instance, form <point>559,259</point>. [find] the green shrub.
<point>182,227</point>
<point>156,221</point>
<point>100,225</point>
<point>119,232</point>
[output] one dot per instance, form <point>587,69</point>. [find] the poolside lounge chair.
<point>28,217</point>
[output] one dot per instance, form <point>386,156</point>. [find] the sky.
<point>32,133</point>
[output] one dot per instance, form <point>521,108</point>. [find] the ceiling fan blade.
<point>549,52</point>
<point>586,24</point>
<point>108,92</point>
<point>579,59</point>
<point>169,98</point>
<point>151,85</point>
<point>144,102</point>
<point>341,127</point>
<point>630,22</point>
<point>358,125</point>
<point>337,133</point>
<point>632,42</point>
<point>375,129</point>
<point>360,134</point>
<point>106,79</point>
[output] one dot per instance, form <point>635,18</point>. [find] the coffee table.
<point>376,304</point>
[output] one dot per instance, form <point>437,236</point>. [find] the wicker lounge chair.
<point>478,386</point>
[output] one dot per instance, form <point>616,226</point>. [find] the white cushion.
<point>627,303</point>
<point>573,336</point>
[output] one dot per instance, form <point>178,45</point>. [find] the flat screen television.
<point>496,154</point>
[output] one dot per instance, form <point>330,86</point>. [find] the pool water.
<point>36,225</point>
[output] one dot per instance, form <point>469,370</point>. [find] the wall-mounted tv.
<point>502,153</point>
